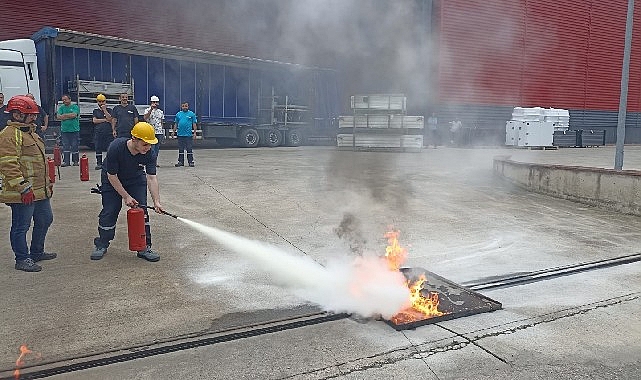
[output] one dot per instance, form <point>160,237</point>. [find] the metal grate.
<point>455,301</point>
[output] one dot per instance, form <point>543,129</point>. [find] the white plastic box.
<point>538,133</point>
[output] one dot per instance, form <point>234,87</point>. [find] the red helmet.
<point>23,104</point>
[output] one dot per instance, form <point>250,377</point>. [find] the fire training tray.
<point>455,301</point>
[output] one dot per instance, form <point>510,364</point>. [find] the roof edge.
<point>67,37</point>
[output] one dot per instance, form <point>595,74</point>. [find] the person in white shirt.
<point>155,116</point>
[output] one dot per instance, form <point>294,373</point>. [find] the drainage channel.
<point>79,364</point>
<point>546,274</point>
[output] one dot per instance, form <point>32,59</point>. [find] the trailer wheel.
<point>294,138</point>
<point>249,138</point>
<point>274,138</point>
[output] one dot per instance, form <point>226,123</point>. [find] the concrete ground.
<point>456,219</point>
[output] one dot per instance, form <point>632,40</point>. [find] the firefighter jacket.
<point>23,163</point>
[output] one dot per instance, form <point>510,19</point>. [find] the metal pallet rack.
<point>381,121</point>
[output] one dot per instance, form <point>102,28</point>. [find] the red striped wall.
<point>550,53</point>
<point>556,52</point>
<point>203,24</point>
<point>605,57</point>
<point>481,49</point>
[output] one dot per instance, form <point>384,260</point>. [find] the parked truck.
<point>239,100</point>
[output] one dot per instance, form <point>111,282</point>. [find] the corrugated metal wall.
<point>481,48</point>
<point>169,22</point>
<point>555,56</point>
<point>492,55</point>
<point>549,53</point>
<point>377,47</point>
<point>605,55</point>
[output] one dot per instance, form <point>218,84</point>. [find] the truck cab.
<point>19,69</point>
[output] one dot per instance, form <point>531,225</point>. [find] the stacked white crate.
<point>559,117</point>
<point>535,126</point>
<point>380,121</point>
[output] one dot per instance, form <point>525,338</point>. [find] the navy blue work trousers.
<point>111,206</point>
<point>185,143</point>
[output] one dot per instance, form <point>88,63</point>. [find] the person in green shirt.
<point>69,116</point>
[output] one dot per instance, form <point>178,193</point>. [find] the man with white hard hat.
<point>155,116</point>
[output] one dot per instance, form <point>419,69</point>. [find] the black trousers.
<point>111,206</point>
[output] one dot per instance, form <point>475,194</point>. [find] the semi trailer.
<point>239,100</point>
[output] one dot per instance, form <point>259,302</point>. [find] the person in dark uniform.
<point>103,131</point>
<point>128,170</point>
<point>124,117</point>
<point>42,121</point>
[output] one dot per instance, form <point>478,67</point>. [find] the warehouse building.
<point>471,60</point>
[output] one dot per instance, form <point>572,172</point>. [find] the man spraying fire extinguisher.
<point>127,172</point>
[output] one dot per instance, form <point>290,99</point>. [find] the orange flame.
<point>24,351</point>
<point>426,305</point>
<point>422,307</point>
<point>394,253</point>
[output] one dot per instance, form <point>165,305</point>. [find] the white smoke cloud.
<point>361,285</point>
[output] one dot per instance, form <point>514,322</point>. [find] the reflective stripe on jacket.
<point>22,163</point>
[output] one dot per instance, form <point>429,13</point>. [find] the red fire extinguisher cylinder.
<point>136,229</point>
<point>57,157</point>
<point>84,168</point>
<point>51,170</point>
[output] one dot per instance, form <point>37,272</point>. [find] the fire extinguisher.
<point>136,229</point>
<point>51,166</point>
<point>84,168</point>
<point>57,157</point>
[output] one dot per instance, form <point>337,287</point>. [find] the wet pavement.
<point>455,217</point>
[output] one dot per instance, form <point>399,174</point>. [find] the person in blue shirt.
<point>127,172</point>
<point>185,124</point>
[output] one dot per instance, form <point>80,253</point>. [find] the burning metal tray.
<point>454,301</point>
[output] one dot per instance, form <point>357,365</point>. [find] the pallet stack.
<point>380,122</point>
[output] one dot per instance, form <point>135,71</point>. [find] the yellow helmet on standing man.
<point>101,98</point>
<point>144,131</point>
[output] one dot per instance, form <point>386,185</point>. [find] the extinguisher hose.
<point>162,212</point>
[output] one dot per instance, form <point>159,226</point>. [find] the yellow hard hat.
<point>144,131</point>
<point>101,97</point>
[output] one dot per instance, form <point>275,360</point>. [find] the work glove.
<point>96,190</point>
<point>28,197</point>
